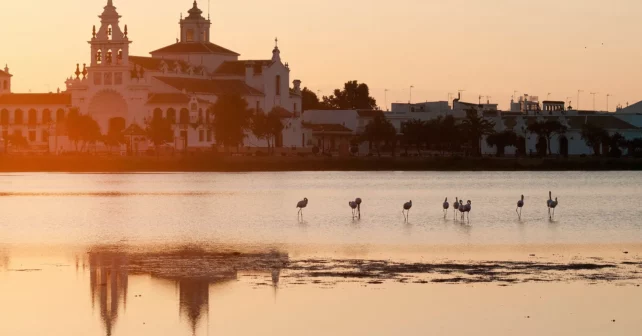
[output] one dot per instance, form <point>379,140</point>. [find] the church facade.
<point>181,82</point>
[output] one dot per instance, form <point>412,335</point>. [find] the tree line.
<point>446,135</point>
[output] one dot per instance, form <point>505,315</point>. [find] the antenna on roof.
<point>209,3</point>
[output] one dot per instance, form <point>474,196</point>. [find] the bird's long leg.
<point>520,213</point>
<point>553,213</point>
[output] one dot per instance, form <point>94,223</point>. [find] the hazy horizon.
<point>488,48</point>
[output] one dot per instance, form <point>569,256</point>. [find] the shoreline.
<point>220,163</point>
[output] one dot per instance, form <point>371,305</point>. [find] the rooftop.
<point>171,98</point>
<point>35,99</point>
<point>210,86</point>
<point>194,48</point>
<point>327,128</point>
<point>237,68</point>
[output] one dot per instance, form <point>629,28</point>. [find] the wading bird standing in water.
<point>301,205</point>
<point>551,205</point>
<point>467,208</point>
<point>354,206</point>
<point>446,206</point>
<point>358,201</point>
<point>406,209</point>
<point>462,209</point>
<point>520,204</point>
<point>455,208</point>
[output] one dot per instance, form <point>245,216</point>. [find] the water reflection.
<point>193,271</point>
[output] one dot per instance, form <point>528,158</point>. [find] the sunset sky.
<point>487,47</point>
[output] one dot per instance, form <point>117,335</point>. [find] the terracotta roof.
<point>4,74</point>
<point>171,98</point>
<point>194,48</point>
<point>237,68</point>
<point>35,99</point>
<point>211,86</point>
<point>329,128</point>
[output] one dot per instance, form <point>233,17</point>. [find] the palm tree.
<point>594,136</point>
<point>475,128</point>
<point>379,129</point>
<point>501,140</point>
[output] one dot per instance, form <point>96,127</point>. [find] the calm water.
<point>140,254</point>
<point>260,208</point>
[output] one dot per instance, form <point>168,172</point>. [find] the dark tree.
<point>275,124</point>
<point>379,130</point>
<point>594,136</point>
<point>546,129</point>
<point>475,128</point>
<point>232,119</point>
<point>414,132</point>
<point>502,140</point>
<point>353,96</point>
<point>159,131</point>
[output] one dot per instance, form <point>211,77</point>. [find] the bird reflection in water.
<point>193,270</point>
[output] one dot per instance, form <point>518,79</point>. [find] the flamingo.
<point>406,209</point>
<point>446,206</point>
<point>520,204</point>
<point>461,209</point>
<point>358,201</point>
<point>455,207</point>
<point>549,203</point>
<point>353,205</point>
<point>467,208</point>
<point>302,204</point>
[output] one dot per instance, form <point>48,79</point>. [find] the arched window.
<point>171,115</point>
<point>190,35</point>
<point>99,56</point>
<point>158,114</point>
<point>60,115</point>
<point>4,117</point>
<point>119,58</point>
<point>194,107</point>
<point>207,115</point>
<point>46,116</point>
<point>184,117</point>
<point>203,36</point>
<point>110,32</point>
<point>278,85</point>
<point>108,57</point>
<point>5,84</point>
<point>200,115</point>
<point>18,117</point>
<point>33,117</point>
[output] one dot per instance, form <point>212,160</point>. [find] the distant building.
<point>180,81</point>
<point>524,111</point>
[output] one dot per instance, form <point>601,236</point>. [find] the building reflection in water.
<point>192,270</point>
<point>108,283</point>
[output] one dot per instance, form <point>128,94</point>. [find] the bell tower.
<point>195,28</point>
<point>109,49</point>
<point>5,80</point>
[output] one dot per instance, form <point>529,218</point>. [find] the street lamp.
<point>410,101</point>
<point>385,97</point>
<point>607,101</point>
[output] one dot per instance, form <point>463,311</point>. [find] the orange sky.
<point>487,47</point>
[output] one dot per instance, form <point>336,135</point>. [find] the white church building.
<point>180,82</point>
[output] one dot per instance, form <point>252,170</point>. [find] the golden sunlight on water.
<point>224,254</point>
